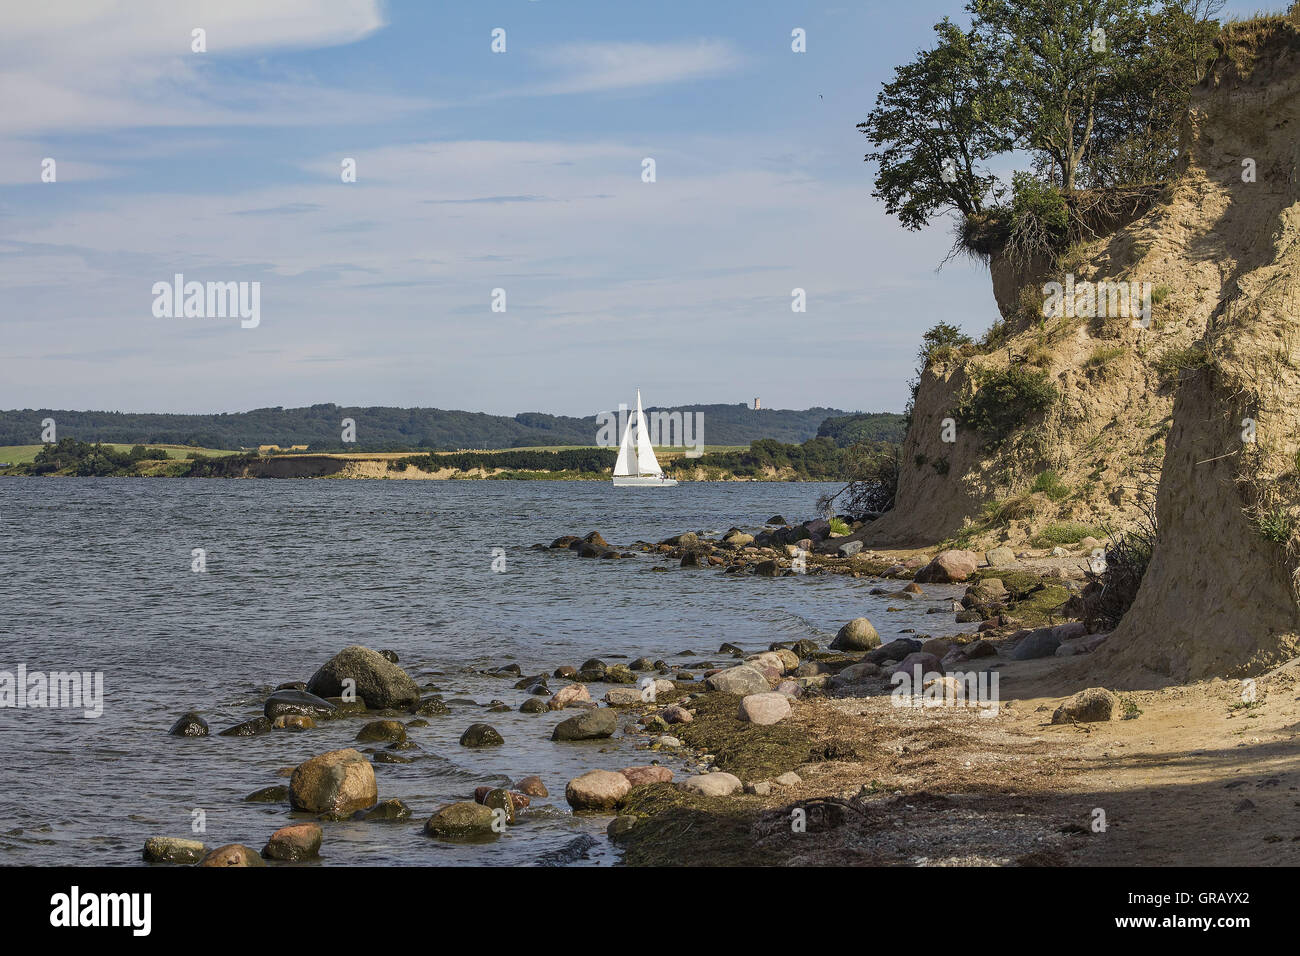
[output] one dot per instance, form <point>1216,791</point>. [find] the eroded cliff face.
<point>1220,596</point>
<point>1206,241</point>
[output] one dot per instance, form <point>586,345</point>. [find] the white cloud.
<point>102,64</point>
<point>595,67</point>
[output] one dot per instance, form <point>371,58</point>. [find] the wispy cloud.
<point>597,67</point>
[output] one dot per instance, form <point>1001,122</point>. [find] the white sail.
<point>626,463</point>
<point>646,462</point>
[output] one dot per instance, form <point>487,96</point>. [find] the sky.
<point>476,171</point>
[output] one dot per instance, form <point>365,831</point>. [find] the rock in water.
<point>338,783</point>
<point>297,703</point>
<point>1087,706</point>
<point>578,848</point>
<point>190,724</point>
<point>297,841</point>
<point>249,728</point>
<point>272,794</point>
<point>173,850</point>
<point>857,635</point>
<point>461,821</point>
<point>589,725</point>
<point>381,730</point>
<point>533,786</point>
<point>481,735</point>
<point>599,790</point>
<point>740,680</point>
<point>385,810</point>
<point>378,681</point>
<point>566,696</point>
<point>233,854</point>
<point>764,709</point>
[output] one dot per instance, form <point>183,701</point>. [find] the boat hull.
<point>643,481</point>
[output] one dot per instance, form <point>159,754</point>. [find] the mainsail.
<point>646,462</point>
<point>640,462</point>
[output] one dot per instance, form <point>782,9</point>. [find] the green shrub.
<point>1050,484</point>
<point>1172,361</point>
<point>1003,400</point>
<point>838,526</point>
<point>1276,525</point>
<point>1065,532</point>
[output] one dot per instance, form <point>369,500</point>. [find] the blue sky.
<point>475,171</point>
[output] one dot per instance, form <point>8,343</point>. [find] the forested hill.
<point>382,428</point>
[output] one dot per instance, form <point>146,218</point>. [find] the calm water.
<point>95,576</point>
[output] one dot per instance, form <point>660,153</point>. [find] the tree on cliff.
<point>934,125</point>
<point>1092,90</point>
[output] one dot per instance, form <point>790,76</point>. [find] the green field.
<point>26,454</point>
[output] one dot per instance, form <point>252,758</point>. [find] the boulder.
<point>189,725</point>
<point>936,646</point>
<point>481,735</point>
<point>741,680</point>
<point>848,549</point>
<point>378,681</point>
<point>948,567</point>
<point>382,730</point>
<point>857,673</point>
<point>1087,706</point>
<point>297,703</point>
<point>338,783</point>
<point>641,776</point>
<point>571,694</point>
<point>590,725</point>
<point>533,787</point>
<point>1000,557</point>
<point>384,811</point>
<point>173,850</point>
<point>1081,645</point>
<point>249,728</point>
<point>464,820</point>
<point>499,798</point>
<point>273,794</point>
<point>857,635</point>
<point>623,697</point>
<point>599,790</point>
<point>764,709</point>
<point>676,714</point>
<point>895,650</point>
<point>294,722</point>
<point>297,841</point>
<point>928,663</point>
<point>716,784</point>
<point>233,854</point>
<point>1043,641</point>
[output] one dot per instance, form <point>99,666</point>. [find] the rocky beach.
<point>790,753</point>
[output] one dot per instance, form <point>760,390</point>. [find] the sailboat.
<point>637,465</point>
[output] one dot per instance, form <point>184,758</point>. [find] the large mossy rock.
<point>378,681</point>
